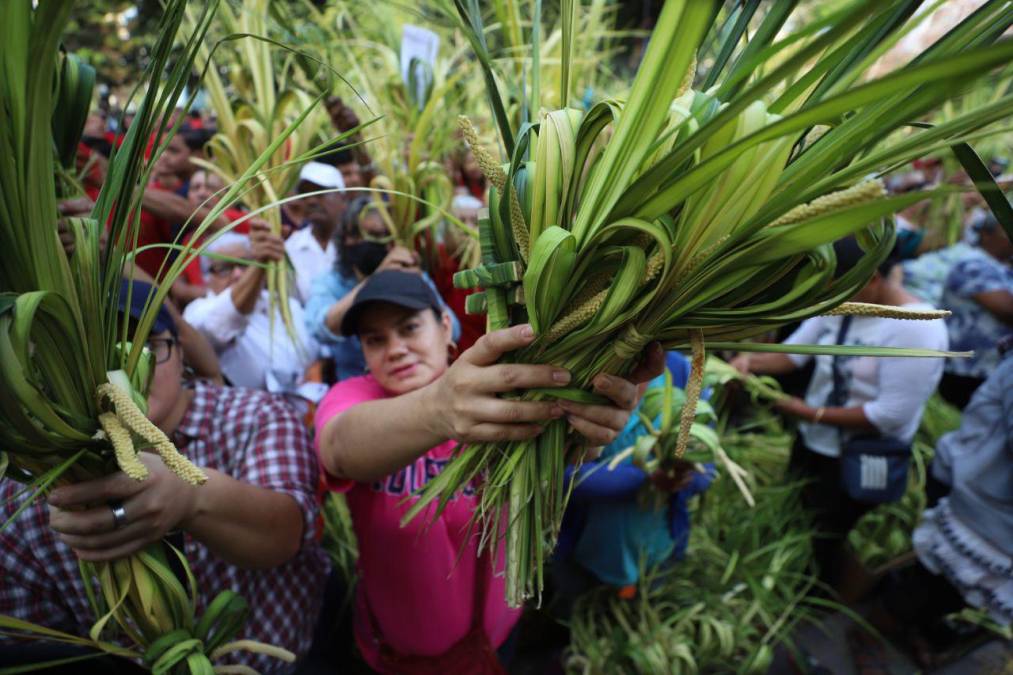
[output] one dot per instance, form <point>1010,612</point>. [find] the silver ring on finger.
<point>119,515</point>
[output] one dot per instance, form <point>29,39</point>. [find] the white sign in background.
<point>422,44</point>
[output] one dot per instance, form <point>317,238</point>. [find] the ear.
<point>447,325</point>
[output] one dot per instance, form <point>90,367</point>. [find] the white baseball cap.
<point>324,175</point>
<point>221,242</point>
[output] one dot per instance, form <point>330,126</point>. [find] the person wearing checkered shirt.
<point>251,528</point>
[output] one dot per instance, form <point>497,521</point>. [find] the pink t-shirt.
<point>417,584</point>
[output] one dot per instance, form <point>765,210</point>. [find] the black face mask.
<point>365,256</point>
<point>99,144</point>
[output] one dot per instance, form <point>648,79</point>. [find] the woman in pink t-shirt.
<point>427,602</point>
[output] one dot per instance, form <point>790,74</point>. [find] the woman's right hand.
<point>400,258</point>
<point>78,207</point>
<point>265,246</point>
<point>463,402</point>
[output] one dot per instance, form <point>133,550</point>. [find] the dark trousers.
<point>918,599</point>
<point>333,639</point>
<point>958,389</point>
<point>834,513</point>
<point>37,651</point>
<point>332,644</point>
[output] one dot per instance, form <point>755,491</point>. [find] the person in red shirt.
<point>206,190</point>
<point>465,207</point>
<point>468,178</point>
<point>165,209</point>
<point>194,120</point>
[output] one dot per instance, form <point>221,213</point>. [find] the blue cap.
<point>137,293</point>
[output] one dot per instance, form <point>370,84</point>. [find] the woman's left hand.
<point>675,478</point>
<point>601,424</point>
<point>794,406</point>
<point>82,514</point>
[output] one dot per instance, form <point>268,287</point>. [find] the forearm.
<point>198,352</point>
<point>362,155</point>
<point>183,293</point>
<point>337,312</point>
<point>245,525</point>
<point>166,205</point>
<point>357,146</point>
<point>846,418</point>
<point>998,303</point>
<point>376,438</point>
<point>771,364</point>
<point>1005,315</point>
<point>177,209</point>
<point>246,290</point>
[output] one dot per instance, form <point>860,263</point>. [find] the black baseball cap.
<point>405,289</point>
<point>849,253</point>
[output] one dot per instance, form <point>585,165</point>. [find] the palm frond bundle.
<point>698,216</point>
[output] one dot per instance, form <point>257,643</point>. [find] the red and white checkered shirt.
<point>250,435</point>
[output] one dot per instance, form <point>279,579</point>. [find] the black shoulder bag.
<point>873,467</point>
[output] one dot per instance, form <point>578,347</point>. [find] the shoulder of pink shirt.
<point>338,399</point>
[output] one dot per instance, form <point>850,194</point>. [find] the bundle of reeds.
<point>691,216</point>
<point>736,597</point>
<point>73,374</point>
<point>255,106</point>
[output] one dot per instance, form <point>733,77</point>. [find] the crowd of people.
<point>380,376</point>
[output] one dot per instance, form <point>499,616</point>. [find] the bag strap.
<point>839,394</point>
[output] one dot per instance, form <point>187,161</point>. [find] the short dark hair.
<point>99,144</point>
<point>337,157</point>
<point>848,253</point>
<point>196,139</point>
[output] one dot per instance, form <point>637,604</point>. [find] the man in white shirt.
<point>254,348</point>
<point>311,249</point>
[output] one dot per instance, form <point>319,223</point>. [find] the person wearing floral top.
<point>964,540</point>
<point>979,293</point>
<point>925,276</point>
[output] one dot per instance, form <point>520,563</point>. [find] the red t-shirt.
<point>472,325</point>
<point>154,230</point>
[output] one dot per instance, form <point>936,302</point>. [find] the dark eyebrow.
<point>414,314</point>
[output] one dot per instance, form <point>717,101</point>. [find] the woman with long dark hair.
<point>364,247</point>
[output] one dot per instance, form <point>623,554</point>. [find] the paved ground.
<point>828,644</point>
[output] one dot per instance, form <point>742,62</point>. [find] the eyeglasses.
<point>222,267</point>
<point>161,348</point>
